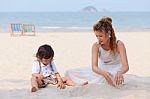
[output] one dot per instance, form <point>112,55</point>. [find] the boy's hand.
<point>61,85</point>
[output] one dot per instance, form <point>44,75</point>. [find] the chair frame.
<point>22,29</point>
<point>12,25</point>
<point>32,30</point>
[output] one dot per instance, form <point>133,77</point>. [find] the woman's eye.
<point>98,36</point>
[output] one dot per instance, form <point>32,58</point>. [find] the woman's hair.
<point>105,26</point>
<point>45,51</point>
<point>106,19</point>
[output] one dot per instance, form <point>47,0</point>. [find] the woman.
<point>109,59</point>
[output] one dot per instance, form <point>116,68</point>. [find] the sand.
<point>72,50</point>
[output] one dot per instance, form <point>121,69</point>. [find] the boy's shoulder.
<point>36,62</point>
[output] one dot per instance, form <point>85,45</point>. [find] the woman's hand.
<point>119,78</point>
<point>108,76</point>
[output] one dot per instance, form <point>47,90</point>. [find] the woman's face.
<point>102,37</point>
<point>46,61</point>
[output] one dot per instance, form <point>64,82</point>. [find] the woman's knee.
<point>67,73</point>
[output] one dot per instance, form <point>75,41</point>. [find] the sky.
<point>73,5</point>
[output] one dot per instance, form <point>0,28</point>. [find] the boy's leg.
<point>40,81</point>
<point>68,81</point>
<point>34,84</point>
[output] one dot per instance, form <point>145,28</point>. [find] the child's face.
<point>102,37</point>
<point>46,61</point>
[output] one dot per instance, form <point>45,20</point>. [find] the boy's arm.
<point>37,75</point>
<point>60,81</point>
<point>58,77</point>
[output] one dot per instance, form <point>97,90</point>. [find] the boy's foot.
<point>33,89</point>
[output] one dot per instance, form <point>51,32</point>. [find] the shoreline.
<point>83,31</point>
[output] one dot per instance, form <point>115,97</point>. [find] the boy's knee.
<point>34,77</point>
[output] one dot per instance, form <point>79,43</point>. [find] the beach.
<point>72,50</point>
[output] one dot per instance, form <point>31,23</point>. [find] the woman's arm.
<point>95,53</point>
<point>124,64</point>
<point>95,68</point>
<point>124,61</point>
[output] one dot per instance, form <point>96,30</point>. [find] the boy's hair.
<point>45,51</point>
<point>106,27</point>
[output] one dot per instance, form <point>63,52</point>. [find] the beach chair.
<point>28,29</point>
<point>16,29</point>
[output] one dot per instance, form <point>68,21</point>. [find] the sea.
<point>75,21</point>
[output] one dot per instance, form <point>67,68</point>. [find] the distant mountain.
<point>89,9</point>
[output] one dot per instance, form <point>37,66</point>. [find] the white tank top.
<point>109,61</point>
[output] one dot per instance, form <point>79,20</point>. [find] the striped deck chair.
<point>28,29</point>
<point>16,29</point>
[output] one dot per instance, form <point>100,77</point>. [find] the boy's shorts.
<point>51,79</point>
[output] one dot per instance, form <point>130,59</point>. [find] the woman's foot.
<point>34,89</point>
<point>81,84</point>
<point>85,83</point>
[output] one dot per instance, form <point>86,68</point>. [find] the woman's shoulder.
<point>96,46</point>
<point>120,43</point>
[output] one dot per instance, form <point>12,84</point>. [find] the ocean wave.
<point>49,27</point>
